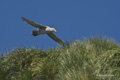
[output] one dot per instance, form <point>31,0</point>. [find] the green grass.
<point>91,59</point>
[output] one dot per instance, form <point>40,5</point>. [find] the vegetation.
<point>91,59</point>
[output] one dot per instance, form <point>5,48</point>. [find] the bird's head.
<point>51,29</point>
<point>54,30</point>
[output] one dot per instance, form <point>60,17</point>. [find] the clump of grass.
<point>91,59</point>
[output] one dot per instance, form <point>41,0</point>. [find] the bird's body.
<point>41,31</point>
<point>44,30</point>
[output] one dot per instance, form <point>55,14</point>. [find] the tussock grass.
<point>91,59</point>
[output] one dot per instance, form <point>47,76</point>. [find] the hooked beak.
<point>55,31</point>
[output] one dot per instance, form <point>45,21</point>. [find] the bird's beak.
<point>55,31</point>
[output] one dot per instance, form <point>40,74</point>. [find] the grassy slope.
<point>91,59</point>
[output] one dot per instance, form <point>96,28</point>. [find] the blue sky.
<point>73,20</point>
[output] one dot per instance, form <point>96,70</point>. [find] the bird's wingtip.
<point>22,18</point>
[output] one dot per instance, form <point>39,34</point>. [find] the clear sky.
<point>73,20</point>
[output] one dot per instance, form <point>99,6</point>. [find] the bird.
<point>43,30</point>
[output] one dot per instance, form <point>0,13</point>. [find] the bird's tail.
<point>34,32</point>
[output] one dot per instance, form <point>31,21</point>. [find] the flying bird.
<point>44,30</point>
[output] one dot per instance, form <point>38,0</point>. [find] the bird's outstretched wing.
<point>55,38</point>
<point>33,23</point>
